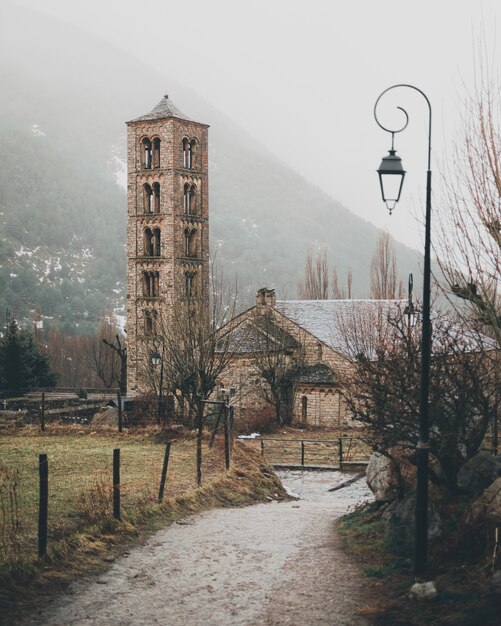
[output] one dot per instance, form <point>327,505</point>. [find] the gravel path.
<point>269,564</point>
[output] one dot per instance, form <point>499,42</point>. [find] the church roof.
<point>165,108</point>
<point>327,319</point>
<point>256,335</point>
<point>347,326</point>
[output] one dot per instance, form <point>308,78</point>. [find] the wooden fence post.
<point>262,447</point>
<point>116,483</point>
<point>226,437</point>
<point>42,416</point>
<point>199,441</point>
<point>164,473</point>
<point>43,468</point>
<point>119,399</point>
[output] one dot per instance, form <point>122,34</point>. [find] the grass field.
<point>80,480</point>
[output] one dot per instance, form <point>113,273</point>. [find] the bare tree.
<point>191,355</point>
<point>278,359</point>
<point>315,284</point>
<point>337,292</point>
<point>383,270</point>
<point>108,355</point>
<point>382,388</point>
<point>469,247</point>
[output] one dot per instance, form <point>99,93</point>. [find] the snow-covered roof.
<point>326,319</point>
<point>165,108</point>
<point>337,323</point>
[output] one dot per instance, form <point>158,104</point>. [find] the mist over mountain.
<point>65,97</point>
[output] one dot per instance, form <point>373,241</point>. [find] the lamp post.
<point>391,170</point>
<point>158,359</point>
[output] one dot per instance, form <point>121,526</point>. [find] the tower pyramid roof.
<point>165,108</point>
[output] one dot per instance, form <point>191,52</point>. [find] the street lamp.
<point>158,359</point>
<point>392,169</point>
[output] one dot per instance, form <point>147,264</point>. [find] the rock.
<point>423,591</point>
<point>400,523</point>
<point>488,506</point>
<point>383,478</point>
<point>479,472</point>
<point>107,416</point>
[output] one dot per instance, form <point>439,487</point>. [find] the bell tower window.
<point>148,198</point>
<point>147,153</point>
<point>156,152</point>
<point>151,242</point>
<point>190,284</point>
<point>151,282</point>
<point>156,197</point>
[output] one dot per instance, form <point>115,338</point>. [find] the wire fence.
<point>81,493</point>
<point>333,453</point>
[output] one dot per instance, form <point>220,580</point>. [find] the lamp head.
<point>391,178</point>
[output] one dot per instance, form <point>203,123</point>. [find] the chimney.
<point>266,297</point>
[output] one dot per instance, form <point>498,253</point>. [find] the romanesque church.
<point>168,259</point>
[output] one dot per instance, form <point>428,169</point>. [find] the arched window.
<point>187,199</point>
<point>192,153</point>
<point>147,153</point>
<point>319,351</point>
<point>156,197</point>
<point>156,152</point>
<point>148,198</point>
<point>186,153</point>
<point>156,242</point>
<point>148,322</point>
<point>190,284</point>
<point>190,243</point>
<point>148,242</point>
<point>193,200</point>
<point>304,408</point>
<point>151,284</point>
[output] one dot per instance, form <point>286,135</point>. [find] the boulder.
<point>488,506</point>
<point>106,416</point>
<point>383,478</point>
<point>400,524</point>
<point>479,472</point>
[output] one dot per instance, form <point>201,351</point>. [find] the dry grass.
<point>80,478</point>
<point>82,531</point>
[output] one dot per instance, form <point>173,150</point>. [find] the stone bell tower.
<point>167,226</point>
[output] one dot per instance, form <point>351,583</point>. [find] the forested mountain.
<point>65,96</point>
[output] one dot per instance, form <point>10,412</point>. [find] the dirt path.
<point>269,564</point>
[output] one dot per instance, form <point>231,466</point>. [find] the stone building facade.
<point>167,226</point>
<point>313,327</point>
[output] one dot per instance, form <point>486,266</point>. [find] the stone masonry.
<point>167,225</point>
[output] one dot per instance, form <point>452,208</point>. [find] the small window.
<point>147,153</point>
<point>190,243</point>
<point>151,284</point>
<point>186,153</point>
<point>304,408</point>
<point>187,199</point>
<point>319,351</point>
<point>148,323</point>
<point>190,284</point>
<point>156,197</point>
<point>156,152</point>
<point>147,242</point>
<point>148,198</point>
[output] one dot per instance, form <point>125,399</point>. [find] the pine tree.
<point>22,365</point>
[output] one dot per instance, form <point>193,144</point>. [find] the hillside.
<point>65,98</point>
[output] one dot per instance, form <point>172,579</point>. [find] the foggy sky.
<point>302,77</point>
